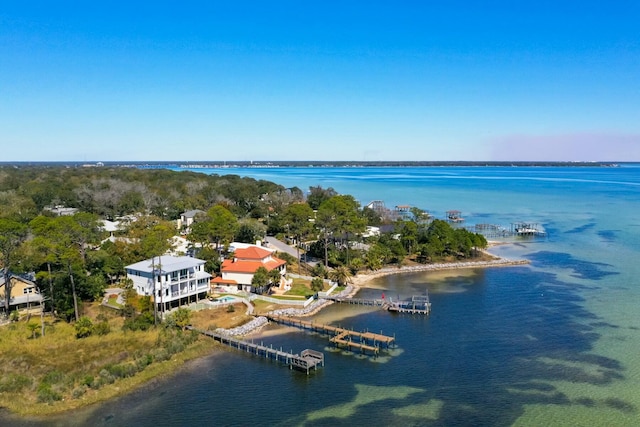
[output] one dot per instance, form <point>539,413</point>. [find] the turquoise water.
<point>555,342</point>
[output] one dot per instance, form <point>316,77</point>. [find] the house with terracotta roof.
<point>237,273</point>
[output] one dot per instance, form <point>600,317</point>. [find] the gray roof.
<point>168,264</point>
<point>27,278</point>
<point>192,213</point>
<point>22,299</point>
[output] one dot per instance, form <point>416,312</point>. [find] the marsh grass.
<point>58,372</point>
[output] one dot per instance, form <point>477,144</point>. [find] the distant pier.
<point>305,361</point>
<point>418,304</point>
<point>517,229</point>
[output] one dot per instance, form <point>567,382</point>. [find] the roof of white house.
<point>234,246</point>
<point>168,264</point>
<point>110,225</point>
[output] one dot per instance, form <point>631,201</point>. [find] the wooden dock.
<point>363,341</point>
<point>418,304</point>
<point>358,301</point>
<point>305,361</point>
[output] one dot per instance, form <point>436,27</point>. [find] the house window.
<point>27,290</point>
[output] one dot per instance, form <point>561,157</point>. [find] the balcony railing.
<point>182,278</point>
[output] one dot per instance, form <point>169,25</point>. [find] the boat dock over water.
<point>341,337</point>
<point>305,361</point>
<point>418,304</point>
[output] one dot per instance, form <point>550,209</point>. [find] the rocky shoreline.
<point>259,322</point>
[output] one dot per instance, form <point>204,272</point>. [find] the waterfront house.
<point>238,272</point>
<point>175,280</point>
<point>61,210</point>
<point>25,296</point>
<point>187,218</point>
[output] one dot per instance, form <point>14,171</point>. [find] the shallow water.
<point>554,342</point>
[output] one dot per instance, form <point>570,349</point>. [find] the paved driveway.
<point>281,246</point>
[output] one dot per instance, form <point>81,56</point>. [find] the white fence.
<point>300,302</point>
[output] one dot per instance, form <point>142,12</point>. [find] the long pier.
<point>358,301</point>
<point>418,304</point>
<point>305,361</point>
<point>363,341</point>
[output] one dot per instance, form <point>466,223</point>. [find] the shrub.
<point>290,259</point>
<point>33,327</point>
<point>88,380</point>
<point>317,284</point>
<point>319,271</point>
<point>106,377</point>
<point>14,383</point>
<point>175,346</point>
<point>160,354</point>
<point>143,362</point>
<point>79,391</point>
<point>122,371</point>
<point>182,317</point>
<point>46,394</point>
<point>231,308</point>
<point>102,328</point>
<point>53,377</point>
<point>84,327</point>
<point>139,323</point>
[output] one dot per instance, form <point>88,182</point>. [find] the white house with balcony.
<point>175,280</point>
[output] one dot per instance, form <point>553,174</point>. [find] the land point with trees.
<point>75,350</point>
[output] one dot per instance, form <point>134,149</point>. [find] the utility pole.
<point>153,279</point>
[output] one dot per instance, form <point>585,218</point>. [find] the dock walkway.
<point>358,301</point>
<point>305,361</point>
<point>363,341</point>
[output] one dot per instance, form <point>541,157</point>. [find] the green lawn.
<point>300,287</point>
<point>113,301</point>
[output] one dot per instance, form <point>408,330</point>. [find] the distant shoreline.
<point>362,280</point>
<point>215,164</point>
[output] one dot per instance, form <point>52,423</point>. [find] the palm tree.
<point>260,280</point>
<point>341,275</point>
<point>275,277</point>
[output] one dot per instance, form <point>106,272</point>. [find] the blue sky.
<point>325,80</point>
